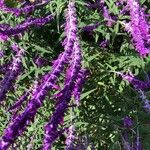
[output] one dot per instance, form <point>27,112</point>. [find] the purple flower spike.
<point>135,82</point>
<point>144,26</point>
<point>139,28</point>
<point>64,96</point>
<point>23,10</point>
<point>11,31</point>
<point>11,75</point>
<point>71,56</point>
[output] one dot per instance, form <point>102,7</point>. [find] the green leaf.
<point>87,93</point>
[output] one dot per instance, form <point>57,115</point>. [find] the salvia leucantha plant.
<point>74,74</point>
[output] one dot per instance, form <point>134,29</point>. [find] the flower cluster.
<point>66,77</point>
<point>71,57</point>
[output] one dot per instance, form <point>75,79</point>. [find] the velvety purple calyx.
<point>4,26</point>
<point>138,144</point>
<point>104,43</point>
<point>40,61</point>
<point>127,124</point>
<point>126,142</point>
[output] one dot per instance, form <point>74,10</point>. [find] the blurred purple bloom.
<point>147,105</point>
<point>1,3</point>
<point>3,37</point>
<point>15,47</point>
<point>107,17</point>
<point>104,44</point>
<point>138,144</point>
<point>1,53</point>
<point>39,61</point>
<point>126,143</point>
<point>98,4</point>
<point>127,122</point>
<point>145,100</point>
<point>19,102</point>
<point>138,84</point>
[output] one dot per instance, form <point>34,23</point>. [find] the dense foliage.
<point>74,74</point>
